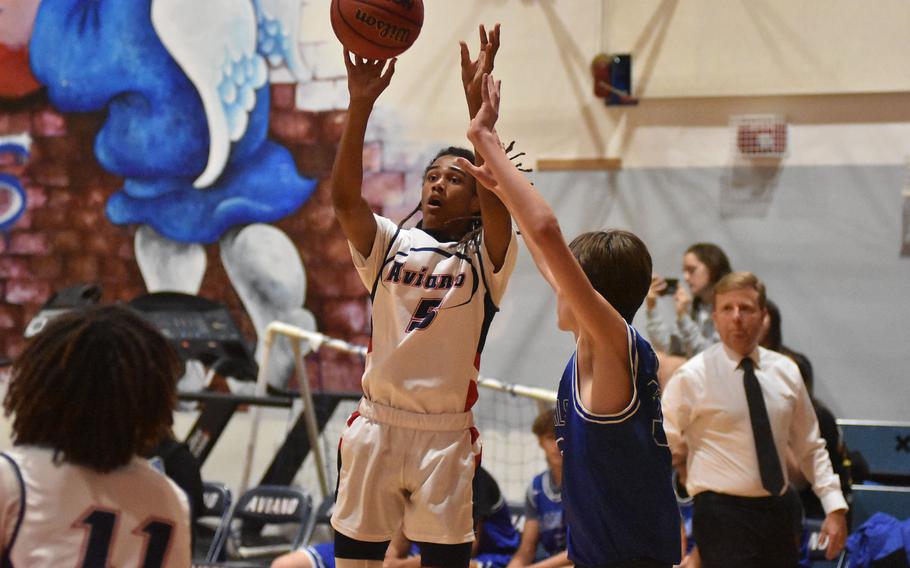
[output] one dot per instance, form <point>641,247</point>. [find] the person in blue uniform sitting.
<point>543,538</point>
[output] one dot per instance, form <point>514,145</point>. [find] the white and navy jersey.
<point>543,503</point>
<point>617,492</point>
<point>433,303</point>
<point>73,516</point>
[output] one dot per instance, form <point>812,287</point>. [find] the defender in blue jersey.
<point>617,494</point>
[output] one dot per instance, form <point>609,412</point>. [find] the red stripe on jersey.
<point>354,415</point>
<point>472,396</point>
<point>370,345</point>
<point>477,361</point>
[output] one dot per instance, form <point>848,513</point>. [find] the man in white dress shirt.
<point>730,414</point>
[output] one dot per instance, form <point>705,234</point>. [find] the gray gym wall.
<point>826,241</point>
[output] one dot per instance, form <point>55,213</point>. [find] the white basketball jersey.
<point>432,306</point>
<point>76,517</point>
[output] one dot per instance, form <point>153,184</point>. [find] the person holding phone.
<point>692,331</point>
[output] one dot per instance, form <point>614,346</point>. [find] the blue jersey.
<point>618,498</point>
<point>543,503</point>
<point>498,539</point>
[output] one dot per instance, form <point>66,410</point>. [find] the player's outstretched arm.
<point>597,324</point>
<point>497,223</point>
<point>366,81</point>
<point>472,70</point>
<point>594,315</point>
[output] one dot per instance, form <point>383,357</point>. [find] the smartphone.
<point>672,286</point>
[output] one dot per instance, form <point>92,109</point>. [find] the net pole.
<point>256,416</point>
<point>544,397</point>
<point>309,417</point>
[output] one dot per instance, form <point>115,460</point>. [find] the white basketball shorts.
<point>403,468</point>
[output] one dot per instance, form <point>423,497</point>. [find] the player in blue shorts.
<point>619,502</point>
<point>543,538</point>
<point>495,542</point>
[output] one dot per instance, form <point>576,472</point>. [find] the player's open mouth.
<point>434,202</point>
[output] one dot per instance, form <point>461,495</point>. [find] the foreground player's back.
<point>132,516</point>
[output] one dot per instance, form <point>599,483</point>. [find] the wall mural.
<point>16,80</point>
<point>184,91</point>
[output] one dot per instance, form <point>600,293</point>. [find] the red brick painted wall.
<point>64,238</point>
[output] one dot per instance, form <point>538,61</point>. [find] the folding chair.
<point>211,526</point>
<point>283,517</point>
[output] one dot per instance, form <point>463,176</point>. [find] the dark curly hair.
<point>97,386</point>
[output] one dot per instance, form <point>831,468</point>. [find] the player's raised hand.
<point>367,78</point>
<point>472,70</point>
<point>482,131</point>
<point>484,122</point>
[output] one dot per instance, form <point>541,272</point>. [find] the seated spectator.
<point>91,393</point>
<point>543,539</point>
<point>704,264</point>
<point>496,539</point>
<point>772,338</point>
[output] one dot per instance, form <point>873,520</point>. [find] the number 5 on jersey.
<point>424,314</point>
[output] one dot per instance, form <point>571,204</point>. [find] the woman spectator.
<point>693,329</point>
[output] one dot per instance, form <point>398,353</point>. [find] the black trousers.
<point>747,532</point>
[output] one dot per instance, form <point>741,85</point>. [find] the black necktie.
<point>772,477</point>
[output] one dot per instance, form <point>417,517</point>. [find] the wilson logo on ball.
<point>386,29</point>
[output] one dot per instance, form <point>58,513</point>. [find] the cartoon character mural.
<point>16,81</point>
<point>186,90</point>
<point>12,194</point>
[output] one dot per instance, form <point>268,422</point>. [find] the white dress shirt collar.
<point>734,358</point>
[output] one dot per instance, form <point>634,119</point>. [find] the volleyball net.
<point>503,414</point>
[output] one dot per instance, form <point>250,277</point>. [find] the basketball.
<point>377,29</point>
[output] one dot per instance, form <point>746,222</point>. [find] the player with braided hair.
<point>90,394</point>
<point>409,453</point>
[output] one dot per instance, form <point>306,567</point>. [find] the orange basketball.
<point>377,29</point>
